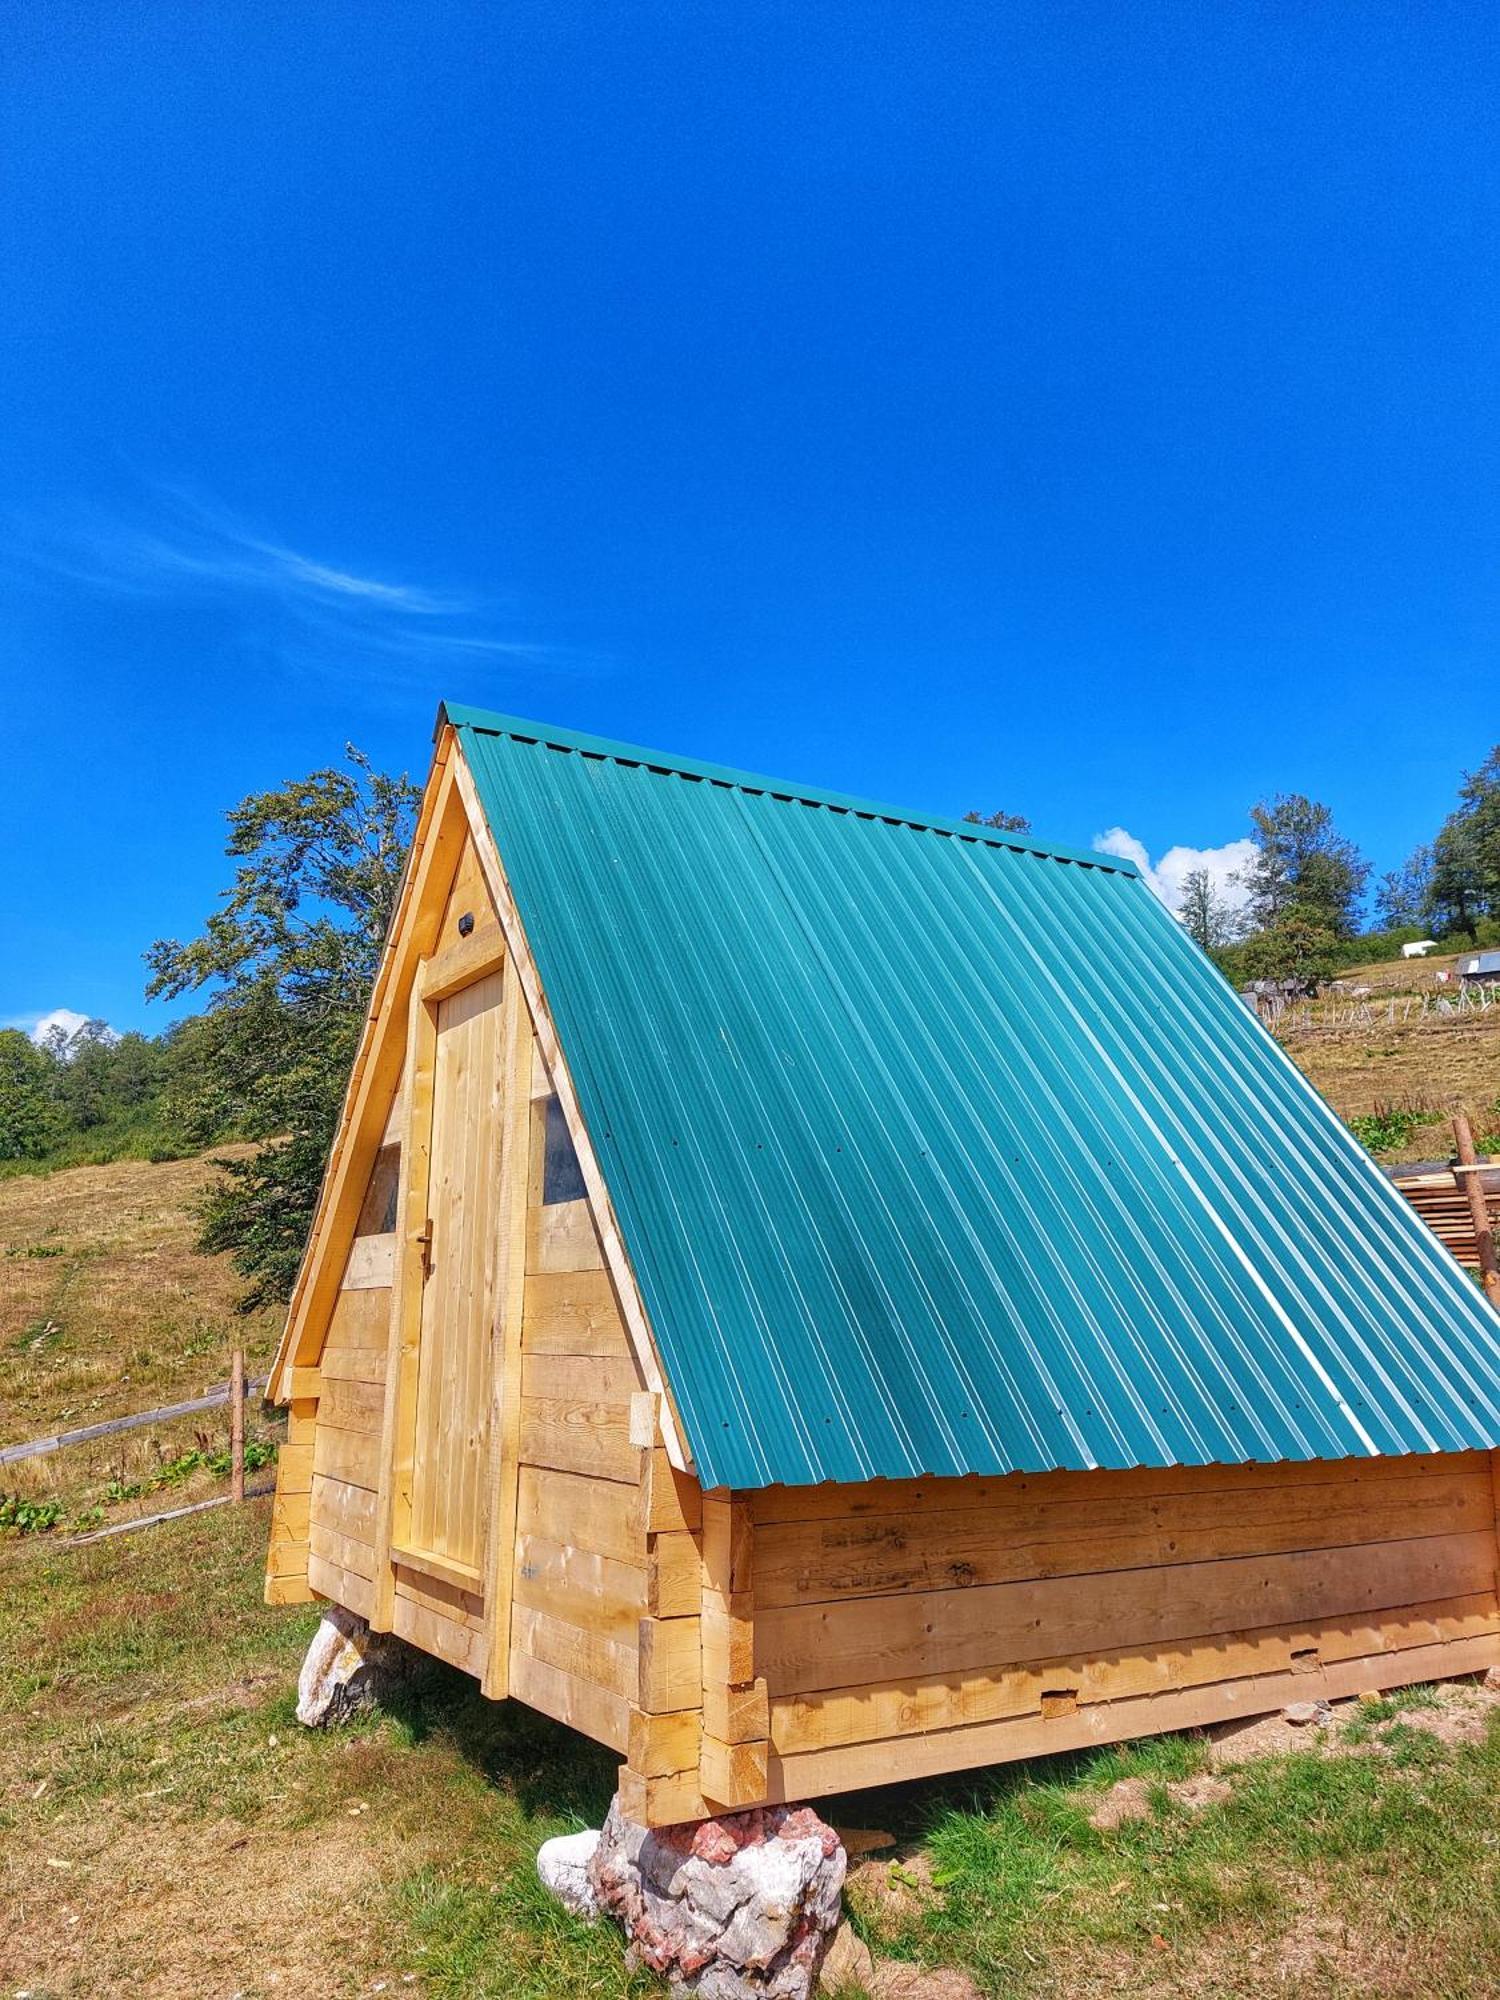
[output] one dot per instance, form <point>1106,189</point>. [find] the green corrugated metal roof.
<point>937,1151</point>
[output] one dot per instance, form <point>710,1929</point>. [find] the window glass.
<point>561,1179</point>
<point>377,1215</point>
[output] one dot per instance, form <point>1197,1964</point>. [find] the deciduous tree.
<point>1404,894</point>
<point>1465,883</point>
<point>288,961</point>
<point>1206,913</point>
<point>1303,862</point>
<point>28,1113</point>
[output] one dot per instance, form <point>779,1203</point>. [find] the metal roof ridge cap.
<point>492,723</point>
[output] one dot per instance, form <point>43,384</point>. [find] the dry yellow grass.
<point>1371,1050</point>
<point>105,1305</point>
<point>106,1308</point>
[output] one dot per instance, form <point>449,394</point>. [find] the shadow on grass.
<point>550,1771</point>
<point>554,1773</point>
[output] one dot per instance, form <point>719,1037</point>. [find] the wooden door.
<point>456,1353</point>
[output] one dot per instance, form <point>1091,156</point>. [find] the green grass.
<point>166,1828</point>
<point>1328,1874</point>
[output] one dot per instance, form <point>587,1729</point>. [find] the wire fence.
<point>236,1392</point>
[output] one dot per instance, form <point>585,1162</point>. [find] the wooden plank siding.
<point>914,1627</point>
<point>585,1575</point>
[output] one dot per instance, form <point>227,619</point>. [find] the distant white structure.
<point>1420,949</point>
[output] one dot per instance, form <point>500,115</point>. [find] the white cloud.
<point>1167,875</point>
<point>67,1019</point>
<point>188,549</point>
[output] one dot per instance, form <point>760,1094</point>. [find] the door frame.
<point>437,978</point>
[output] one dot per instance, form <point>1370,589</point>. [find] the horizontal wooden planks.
<point>291,1515</point>
<point>440,1618</point>
<point>351,1406</point>
<point>341,1586</point>
<point>560,1236</point>
<point>597,1514</point>
<point>351,1456</point>
<point>953,1631</point>
<point>573,1312</point>
<point>371,1265</point>
<point>354,1364</point>
<point>348,1510</point>
<point>596,1711</point>
<point>575,1415</point>
<point>347,1552</point>
<point>910,1496</point>
<point>1026,1536</point>
<point>580,1588</point>
<point>921,1706</point>
<point>930,1754</point>
<point>587,1656</point>
<point>361,1319</point>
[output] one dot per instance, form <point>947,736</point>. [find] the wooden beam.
<point>616,1256</point>
<point>671,1665</point>
<point>667,1499</point>
<point>812,1647</point>
<point>733,1766</point>
<point>660,1745</point>
<point>666,1801</point>
<point>1467,1173</point>
<point>460,965</point>
<point>935,1753</point>
<point>734,1776</point>
<point>505,1364</point>
<point>406,1301</point>
<point>948,1701</point>
<point>376,1075</point>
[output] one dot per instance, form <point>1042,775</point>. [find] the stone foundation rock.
<point>563,1866</point>
<point>348,1668</point>
<point>738,1908</point>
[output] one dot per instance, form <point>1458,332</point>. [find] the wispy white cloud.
<point>1167,875</point>
<point>66,1021</point>
<point>183,548</point>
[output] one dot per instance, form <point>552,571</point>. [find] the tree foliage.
<point>1404,895</point>
<point>1206,913</point>
<point>288,962</point>
<point>1298,946</point>
<point>1302,862</point>
<point>1464,886</point>
<point>1001,822</point>
<point>29,1122</point>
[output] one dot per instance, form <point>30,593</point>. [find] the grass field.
<point>1369,1047</point>
<point>107,1308</point>
<point>167,1829</point>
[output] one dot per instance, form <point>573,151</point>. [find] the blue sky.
<point>1083,409</point>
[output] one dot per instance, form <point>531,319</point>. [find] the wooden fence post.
<point>237,1424</point>
<point>1468,1173</point>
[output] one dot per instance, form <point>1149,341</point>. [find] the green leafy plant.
<point>259,1453</point>
<point>20,1516</point>
<point>1386,1127</point>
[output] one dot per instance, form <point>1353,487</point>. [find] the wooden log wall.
<point>909,1628</point>
<point>581,1586</point>
<point>323,1516</point>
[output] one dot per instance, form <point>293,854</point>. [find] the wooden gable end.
<point>502,1516</point>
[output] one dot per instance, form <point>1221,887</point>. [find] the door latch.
<point>423,1240</point>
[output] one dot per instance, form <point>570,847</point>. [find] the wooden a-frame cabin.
<point>809,1294</point>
